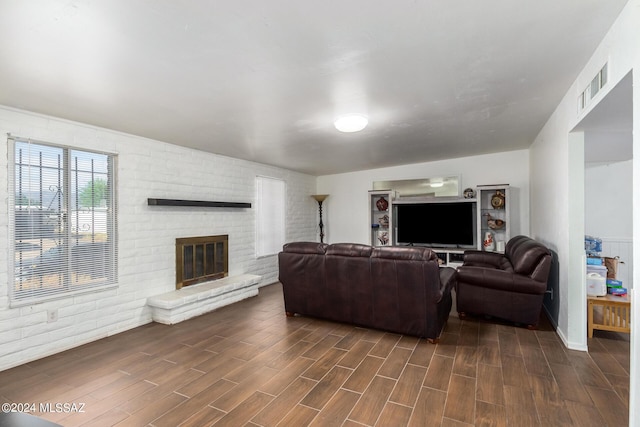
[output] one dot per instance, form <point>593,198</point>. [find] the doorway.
<point>606,134</point>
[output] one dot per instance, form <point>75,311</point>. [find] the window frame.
<point>70,253</point>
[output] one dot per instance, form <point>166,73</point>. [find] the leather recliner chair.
<point>509,286</point>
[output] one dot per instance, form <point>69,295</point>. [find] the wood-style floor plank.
<point>394,415</point>
<point>287,399</point>
<point>489,384</point>
<point>439,373</point>
<point>462,408</point>
<point>337,409</point>
<point>490,415</point>
<point>248,364</point>
<point>326,388</point>
<point>370,405</point>
<point>408,385</point>
<point>364,373</point>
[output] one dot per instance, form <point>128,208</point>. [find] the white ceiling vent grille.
<point>594,87</point>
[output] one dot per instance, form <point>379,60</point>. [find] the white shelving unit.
<point>493,211</point>
<point>494,215</point>
<point>381,217</point>
<point>450,257</point>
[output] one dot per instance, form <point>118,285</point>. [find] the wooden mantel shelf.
<point>196,203</point>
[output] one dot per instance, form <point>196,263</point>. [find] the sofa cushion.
<point>476,258</point>
<point>348,283</point>
<point>349,249</point>
<point>489,278</point>
<point>305,248</point>
<point>404,253</point>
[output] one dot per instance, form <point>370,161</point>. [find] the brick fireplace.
<point>202,281</point>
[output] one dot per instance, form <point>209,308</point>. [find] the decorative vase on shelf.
<point>488,243</point>
<point>382,204</point>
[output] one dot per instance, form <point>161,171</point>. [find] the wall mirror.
<point>448,186</point>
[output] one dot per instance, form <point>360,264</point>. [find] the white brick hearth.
<point>175,306</point>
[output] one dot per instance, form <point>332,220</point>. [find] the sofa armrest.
<point>482,258</point>
<point>499,279</point>
<point>448,278</point>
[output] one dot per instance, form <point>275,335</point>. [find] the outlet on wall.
<point>52,316</point>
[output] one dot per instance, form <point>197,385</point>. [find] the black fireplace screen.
<point>199,259</point>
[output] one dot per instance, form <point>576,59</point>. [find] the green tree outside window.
<point>93,194</point>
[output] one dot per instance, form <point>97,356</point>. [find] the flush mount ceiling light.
<point>351,123</point>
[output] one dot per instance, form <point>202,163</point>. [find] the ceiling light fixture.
<point>351,123</point>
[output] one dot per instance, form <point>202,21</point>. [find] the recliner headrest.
<point>525,254</point>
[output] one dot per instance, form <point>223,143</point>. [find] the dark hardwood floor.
<point>249,365</point>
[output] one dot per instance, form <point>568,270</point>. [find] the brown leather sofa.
<point>397,289</point>
<point>509,286</point>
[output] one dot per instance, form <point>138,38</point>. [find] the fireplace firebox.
<point>200,259</point>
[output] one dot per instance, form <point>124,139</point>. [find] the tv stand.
<point>449,257</point>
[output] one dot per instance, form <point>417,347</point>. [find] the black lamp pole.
<point>320,198</point>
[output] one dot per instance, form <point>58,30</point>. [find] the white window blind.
<point>270,215</point>
<point>63,222</point>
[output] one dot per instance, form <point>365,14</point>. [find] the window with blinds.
<point>63,221</point>
<point>270,215</point>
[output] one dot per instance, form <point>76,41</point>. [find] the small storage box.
<point>596,280</point>
<point>592,245</point>
<point>613,283</point>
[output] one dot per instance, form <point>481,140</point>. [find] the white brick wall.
<point>146,168</point>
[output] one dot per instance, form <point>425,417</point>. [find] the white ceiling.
<point>263,80</point>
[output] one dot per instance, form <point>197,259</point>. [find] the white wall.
<point>347,204</point>
<point>608,200</point>
<point>146,235</point>
<point>555,174</point>
<point>609,212</point>
<point>556,171</point>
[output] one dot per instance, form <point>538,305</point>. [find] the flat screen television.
<point>436,224</point>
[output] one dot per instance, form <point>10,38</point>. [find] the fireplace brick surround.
<point>191,301</point>
<point>202,281</point>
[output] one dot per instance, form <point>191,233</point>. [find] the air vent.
<point>594,87</point>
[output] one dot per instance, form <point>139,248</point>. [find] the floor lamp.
<point>320,198</point>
